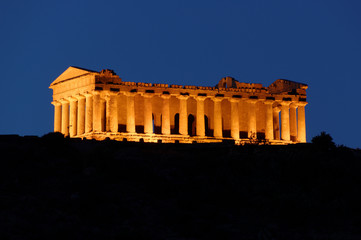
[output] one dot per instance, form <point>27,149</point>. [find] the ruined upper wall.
<point>283,86</point>
<point>229,82</point>
<point>107,76</point>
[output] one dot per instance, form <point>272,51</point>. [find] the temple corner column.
<point>301,134</point>
<point>64,117</point>
<point>57,116</point>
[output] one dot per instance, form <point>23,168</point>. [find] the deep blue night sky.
<point>184,42</point>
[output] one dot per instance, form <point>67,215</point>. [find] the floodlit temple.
<point>99,105</point>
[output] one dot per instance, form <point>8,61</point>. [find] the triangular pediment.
<point>70,73</point>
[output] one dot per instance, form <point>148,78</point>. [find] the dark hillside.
<point>52,187</point>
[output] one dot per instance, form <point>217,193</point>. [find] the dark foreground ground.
<point>59,188</point>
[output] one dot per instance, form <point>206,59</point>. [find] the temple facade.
<point>99,105</point>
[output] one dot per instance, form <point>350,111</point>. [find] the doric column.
<point>293,122</point>
<point>301,122</point>
<point>165,114</point>
<point>148,118</point>
<point>73,116</point>
<point>130,112</point>
<point>89,112</point>
<point>107,112</point>
<point>183,114</point>
<point>200,130</point>
<point>217,117</point>
<point>234,118</point>
<point>252,120</point>
<point>64,117</point>
<point>57,116</point>
<point>81,115</point>
<point>285,120</point>
<point>97,125</point>
<point>269,120</point>
<point>276,123</point>
<point>103,123</point>
<point>113,118</point>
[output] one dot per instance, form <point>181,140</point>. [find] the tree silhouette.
<point>323,141</point>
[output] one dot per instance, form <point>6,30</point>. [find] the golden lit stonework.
<point>99,105</point>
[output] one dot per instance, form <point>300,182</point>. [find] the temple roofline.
<point>293,81</point>
<point>85,69</point>
<point>229,83</point>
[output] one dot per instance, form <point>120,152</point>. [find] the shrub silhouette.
<point>51,136</point>
<point>53,139</point>
<point>324,141</point>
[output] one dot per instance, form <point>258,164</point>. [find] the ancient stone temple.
<point>99,105</point>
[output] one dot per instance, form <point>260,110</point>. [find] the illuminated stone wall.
<point>99,105</point>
